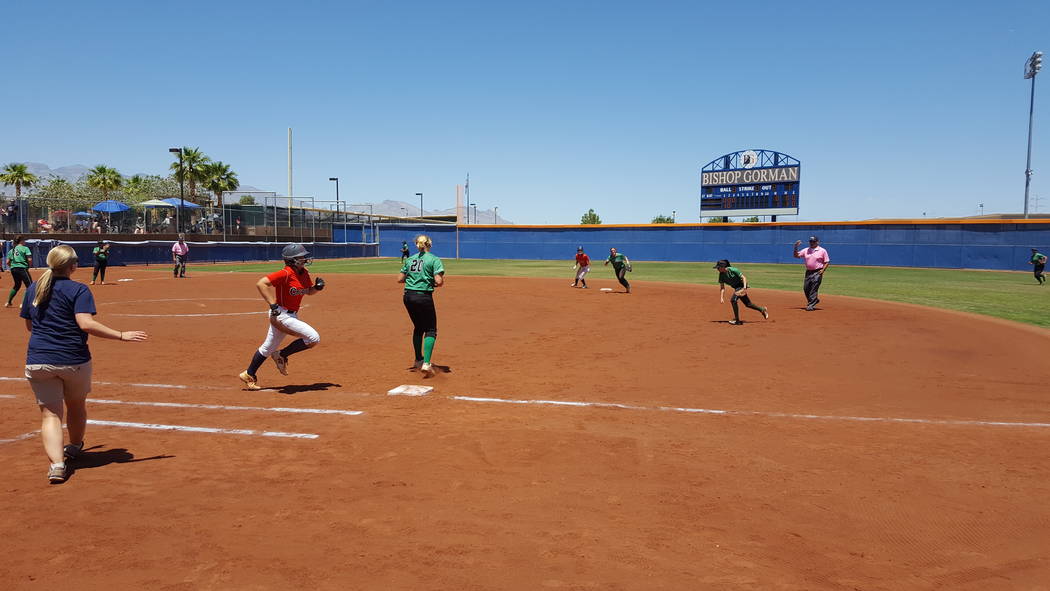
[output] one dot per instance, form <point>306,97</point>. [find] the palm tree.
<point>217,177</point>
<point>193,161</point>
<point>18,175</point>
<point>104,179</point>
<point>136,188</point>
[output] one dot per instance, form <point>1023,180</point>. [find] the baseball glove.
<point>630,268</point>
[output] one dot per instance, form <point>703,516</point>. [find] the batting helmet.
<point>294,251</point>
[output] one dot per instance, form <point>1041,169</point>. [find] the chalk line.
<point>318,411</point>
<point>781,415</point>
<point>190,429</point>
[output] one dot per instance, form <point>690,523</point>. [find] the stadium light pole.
<point>1032,67</point>
<point>673,214</point>
<point>182,190</point>
<point>336,179</point>
<point>475,206</point>
<point>420,195</point>
<point>981,205</point>
<point>495,215</point>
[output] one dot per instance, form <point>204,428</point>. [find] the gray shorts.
<point>56,383</point>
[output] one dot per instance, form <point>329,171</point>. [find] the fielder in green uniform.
<point>621,266</point>
<point>422,273</point>
<point>19,260</point>
<point>731,276</point>
<point>1038,260</point>
<point>101,254</point>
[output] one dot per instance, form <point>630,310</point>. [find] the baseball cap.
<point>721,263</point>
<point>580,249</point>
<point>814,239</point>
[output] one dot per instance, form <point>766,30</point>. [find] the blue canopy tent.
<point>82,214</point>
<point>110,206</point>
<point>177,203</point>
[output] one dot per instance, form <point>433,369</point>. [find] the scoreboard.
<point>750,183</point>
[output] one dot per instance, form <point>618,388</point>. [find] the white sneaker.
<point>282,363</point>
<point>427,370</point>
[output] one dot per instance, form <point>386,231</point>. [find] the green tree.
<point>590,218</point>
<point>247,200</point>
<point>217,177</point>
<point>136,188</point>
<point>752,220</point>
<point>663,219</point>
<point>104,179</point>
<point>191,170</point>
<point>18,175</point>
<point>719,220</point>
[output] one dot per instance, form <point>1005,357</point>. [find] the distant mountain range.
<point>74,173</point>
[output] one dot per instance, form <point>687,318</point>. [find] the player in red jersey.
<point>283,292</point>
<point>582,266</point>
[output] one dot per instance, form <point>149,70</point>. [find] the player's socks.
<point>428,348</point>
<point>417,343</point>
<point>11,296</point>
<point>296,346</point>
<point>257,360</point>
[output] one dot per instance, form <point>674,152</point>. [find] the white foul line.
<point>781,415</point>
<point>310,411</point>
<point>21,437</point>
<point>203,429</point>
<point>316,411</point>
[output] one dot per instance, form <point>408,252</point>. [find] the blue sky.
<point>893,108</point>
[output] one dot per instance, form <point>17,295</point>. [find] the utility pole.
<point>1032,67</point>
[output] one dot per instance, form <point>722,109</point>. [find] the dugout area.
<point>583,440</point>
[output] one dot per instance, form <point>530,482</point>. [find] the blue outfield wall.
<point>999,244</point>
<point>155,252</point>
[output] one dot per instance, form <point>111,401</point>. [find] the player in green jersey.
<point>1038,260</point>
<point>422,273</point>
<point>731,276</point>
<point>101,253</point>
<point>621,266</point>
<point>19,260</point>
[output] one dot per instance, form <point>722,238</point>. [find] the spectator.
<point>59,315</point>
<point>140,226</point>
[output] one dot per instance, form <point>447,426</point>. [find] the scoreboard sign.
<point>750,182</point>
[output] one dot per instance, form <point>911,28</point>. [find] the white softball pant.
<point>583,271</point>
<point>290,323</point>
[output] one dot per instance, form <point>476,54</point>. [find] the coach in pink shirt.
<point>817,261</point>
<point>179,250</point>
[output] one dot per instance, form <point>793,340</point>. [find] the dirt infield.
<point>583,440</point>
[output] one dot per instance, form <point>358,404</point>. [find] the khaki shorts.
<point>56,383</point>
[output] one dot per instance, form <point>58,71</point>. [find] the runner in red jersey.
<point>283,291</point>
<point>582,266</point>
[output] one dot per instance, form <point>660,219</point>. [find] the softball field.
<point>582,440</point>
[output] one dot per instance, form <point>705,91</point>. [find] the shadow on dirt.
<point>299,388</point>
<point>97,459</point>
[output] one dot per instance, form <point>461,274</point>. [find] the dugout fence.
<point>157,252</point>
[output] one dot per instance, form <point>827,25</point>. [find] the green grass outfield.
<point>1012,295</point>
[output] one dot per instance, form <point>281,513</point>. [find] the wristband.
<point>274,310</point>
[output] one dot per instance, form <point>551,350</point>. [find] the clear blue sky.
<point>553,107</point>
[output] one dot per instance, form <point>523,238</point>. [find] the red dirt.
<point>439,493</point>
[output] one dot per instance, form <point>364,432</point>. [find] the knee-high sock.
<point>417,343</point>
<point>428,348</point>
<point>257,361</point>
<point>736,309</point>
<point>293,348</point>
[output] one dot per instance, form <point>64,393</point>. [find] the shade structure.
<point>155,203</point>
<point>110,206</point>
<point>179,203</point>
<point>82,214</point>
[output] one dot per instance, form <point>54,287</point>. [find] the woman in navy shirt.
<point>58,314</point>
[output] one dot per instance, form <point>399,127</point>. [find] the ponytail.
<point>423,243</point>
<point>60,261</point>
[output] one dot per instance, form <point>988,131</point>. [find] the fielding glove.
<point>319,284</point>
<point>275,311</point>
